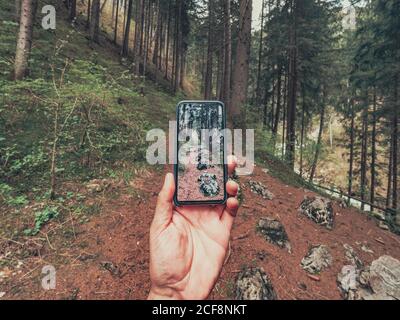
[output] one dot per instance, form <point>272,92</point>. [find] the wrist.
<point>157,293</point>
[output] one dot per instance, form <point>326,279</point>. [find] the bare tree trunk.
<point>226,88</point>
<point>351,160</point>
<point>168,39</point>
<point>157,36</point>
<point>17,10</point>
<point>303,110</point>
<point>317,150</point>
<point>95,21</point>
<point>363,171</point>
<point>373,151</point>
<point>72,10</point>
<point>292,92</point>
<point>24,43</point>
<point>260,51</point>
<point>116,23</point>
<point>178,45</point>
<point>209,61</point>
<point>89,8</point>
<point>125,46</point>
<point>395,144</point>
<point>241,70</point>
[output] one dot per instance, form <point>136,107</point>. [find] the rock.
<point>379,281</point>
<point>352,257</point>
<point>365,248</point>
<point>319,210</point>
<point>254,284</point>
<point>384,278</point>
<point>208,184</point>
<point>259,188</point>
<point>2,294</point>
<point>265,170</point>
<point>383,225</point>
<point>347,278</point>
<point>98,185</point>
<point>274,232</point>
<point>317,259</point>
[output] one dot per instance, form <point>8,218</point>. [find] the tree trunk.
<point>157,36</point>
<point>395,144</point>
<point>24,43</point>
<point>95,21</point>
<point>226,88</point>
<point>241,70</point>
<point>72,10</point>
<point>89,8</point>
<point>168,37</point>
<point>209,61</point>
<point>125,46</point>
<point>17,10</point>
<point>292,92</point>
<point>260,51</point>
<point>318,147</point>
<point>178,45</point>
<point>303,110</point>
<point>363,171</point>
<point>351,156</point>
<point>373,151</point>
<point>116,23</point>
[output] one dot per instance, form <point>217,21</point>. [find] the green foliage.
<point>41,218</point>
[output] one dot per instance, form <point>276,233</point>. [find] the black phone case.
<point>198,202</point>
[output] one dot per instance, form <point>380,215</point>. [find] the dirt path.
<point>109,256</point>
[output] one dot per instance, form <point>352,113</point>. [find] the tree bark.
<point>17,10</point>
<point>373,152</point>
<point>351,156</point>
<point>116,22</point>
<point>157,37</point>
<point>241,69</point>
<point>209,61</point>
<point>95,21</point>
<point>292,92</point>
<point>317,150</point>
<point>125,46</point>
<point>24,43</point>
<point>72,10</point>
<point>226,88</point>
<point>260,51</point>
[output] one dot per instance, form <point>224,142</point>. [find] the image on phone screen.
<point>200,172</point>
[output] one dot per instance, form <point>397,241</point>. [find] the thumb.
<point>163,213</point>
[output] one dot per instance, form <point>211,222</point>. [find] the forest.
<point>318,81</point>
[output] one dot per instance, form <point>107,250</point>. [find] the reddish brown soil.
<point>119,235</point>
<point>188,186</point>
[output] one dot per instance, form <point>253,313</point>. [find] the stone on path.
<point>319,210</point>
<point>274,232</point>
<point>254,284</point>
<point>317,259</point>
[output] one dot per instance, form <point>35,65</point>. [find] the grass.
<point>114,137</point>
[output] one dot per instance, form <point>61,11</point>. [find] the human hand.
<point>188,244</point>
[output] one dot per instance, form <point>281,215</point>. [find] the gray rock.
<point>352,257</point>
<point>260,189</point>
<point>208,184</point>
<point>379,281</point>
<point>317,259</point>
<point>254,284</point>
<point>274,232</point>
<point>319,210</point>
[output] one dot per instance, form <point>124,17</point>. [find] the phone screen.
<point>200,171</point>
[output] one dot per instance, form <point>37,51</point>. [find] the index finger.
<point>232,163</point>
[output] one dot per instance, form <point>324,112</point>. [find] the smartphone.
<point>200,168</point>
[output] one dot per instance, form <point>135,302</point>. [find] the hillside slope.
<point>98,241</point>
